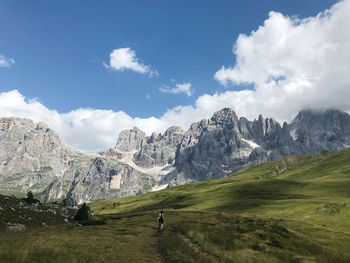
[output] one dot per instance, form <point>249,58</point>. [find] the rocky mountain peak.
<point>330,120</point>
<point>172,130</point>
<point>261,118</point>
<point>33,157</point>
<point>130,139</point>
<point>226,115</point>
<point>159,150</point>
<point>307,114</point>
<point>9,123</point>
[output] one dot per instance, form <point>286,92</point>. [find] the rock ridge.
<point>33,157</point>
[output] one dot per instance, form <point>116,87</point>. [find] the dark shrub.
<point>30,198</point>
<point>83,213</point>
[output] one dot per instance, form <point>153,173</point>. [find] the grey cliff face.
<point>98,178</point>
<point>159,150</point>
<point>217,147</point>
<point>130,140</point>
<point>23,162</point>
<point>32,156</point>
<point>214,148</point>
<point>321,130</point>
<point>147,152</point>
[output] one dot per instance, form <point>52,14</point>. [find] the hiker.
<point>160,220</point>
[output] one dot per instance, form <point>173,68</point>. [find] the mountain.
<point>33,157</point>
<point>217,147</point>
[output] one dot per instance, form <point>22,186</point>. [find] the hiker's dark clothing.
<point>161,221</point>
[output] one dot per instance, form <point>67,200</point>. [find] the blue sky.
<point>59,48</point>
<point>90,69</point>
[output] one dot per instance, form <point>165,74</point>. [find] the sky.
<point>91,69</point>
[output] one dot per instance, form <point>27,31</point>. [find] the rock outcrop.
<point>16,214</point>
<point>159,150</point>
<point>147,152</point>
<point>129,140</point>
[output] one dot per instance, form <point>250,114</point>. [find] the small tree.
<point>30,197</point>
<point>65,202</point>
<point>83,213</point>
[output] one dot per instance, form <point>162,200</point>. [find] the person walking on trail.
<point>160,220</point>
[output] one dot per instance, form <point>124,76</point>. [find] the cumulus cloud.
<point>180,88</point>
<point>95,129</point>
<point>125,59</point>
<point>6,62</point>
<point>292,64</point>
<point>85,128</point>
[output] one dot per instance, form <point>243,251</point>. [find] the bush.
<point>30,198</point>
<point>83,213</point>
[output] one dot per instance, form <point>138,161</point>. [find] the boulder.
<point>13,227</point>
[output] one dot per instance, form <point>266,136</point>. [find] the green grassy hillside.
<point>314,189</point>
<point>293,210</point>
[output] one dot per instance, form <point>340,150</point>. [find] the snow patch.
<point>293,134</point>
<point>159,187</point>
<point>156,170</point>
<point>251,143</point>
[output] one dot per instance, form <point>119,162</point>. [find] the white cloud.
<point>180,88</point>
<point>90,129</point>
<point>292,63</point>
<point>125,59</point>
<point>6,62</point>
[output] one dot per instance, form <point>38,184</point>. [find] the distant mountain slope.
<point>33,157</point>
<point>216,147</point>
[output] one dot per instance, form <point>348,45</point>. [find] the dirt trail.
<point>197,249</point>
